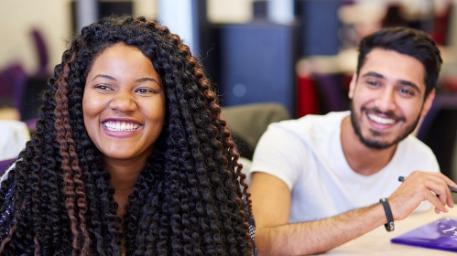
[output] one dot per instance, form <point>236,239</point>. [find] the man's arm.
<point>271,201</point>
<point>271,205</point>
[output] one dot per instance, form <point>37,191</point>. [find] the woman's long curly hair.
<point>190,198</point>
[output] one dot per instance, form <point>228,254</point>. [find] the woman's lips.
<point>121,128</point>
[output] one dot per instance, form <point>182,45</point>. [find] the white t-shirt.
<point>307,155</point>
<point>14,136</point>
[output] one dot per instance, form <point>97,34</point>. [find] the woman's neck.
<point>124,175</point>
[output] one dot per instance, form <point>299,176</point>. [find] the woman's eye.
<point>146,91</point>
<point>103,87</point>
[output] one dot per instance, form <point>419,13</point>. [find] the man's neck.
<point>362,159</point>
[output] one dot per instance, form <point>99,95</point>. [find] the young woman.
<point>130,156</point>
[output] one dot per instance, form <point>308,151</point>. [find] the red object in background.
<point>307,98</point>
<point>449,84</point>
<point>441,25</point>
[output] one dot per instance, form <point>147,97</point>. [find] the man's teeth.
<point>120,126</point>
<point>381,120</point>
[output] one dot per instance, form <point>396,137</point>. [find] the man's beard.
<point>376,144</point>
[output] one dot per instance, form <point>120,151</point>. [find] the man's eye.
<point>373,83</point>
<point>407,92</point>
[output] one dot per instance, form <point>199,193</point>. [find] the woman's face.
<point>123,104</point>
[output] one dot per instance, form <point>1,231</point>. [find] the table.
<point>377,242</point>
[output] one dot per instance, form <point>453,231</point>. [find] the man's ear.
<point>428,102</point>
<point>352,86</point>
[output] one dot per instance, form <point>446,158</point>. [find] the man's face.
<point>388,98</point>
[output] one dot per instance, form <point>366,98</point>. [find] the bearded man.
<point>320,181</point>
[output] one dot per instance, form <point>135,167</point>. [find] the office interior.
<point>298,54</point>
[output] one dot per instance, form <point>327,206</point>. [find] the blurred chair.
<point>32,98</point>
<point>21,91</point>
<point>12,83</point>
<point>35,84</point>
<point>439,131</point>
<point>41,50</point>
<point>248,122</point>
<point>14,137</point>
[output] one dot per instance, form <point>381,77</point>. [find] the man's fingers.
<point>420,186</point>
<point>439,188</point>
<point>436,182</point>
<point>433,199</point>
<point>439,185</point>
<point>449,181</point>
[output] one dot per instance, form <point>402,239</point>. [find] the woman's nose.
<point>124,102</point>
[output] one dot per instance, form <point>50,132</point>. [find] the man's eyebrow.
<point>104,76</point>
<point>373,74</point>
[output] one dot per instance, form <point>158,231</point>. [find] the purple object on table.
<point>440,234</point>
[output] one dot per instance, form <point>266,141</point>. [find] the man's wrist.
<point>389,225</point>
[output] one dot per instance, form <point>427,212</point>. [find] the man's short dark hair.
<point>412,42</point>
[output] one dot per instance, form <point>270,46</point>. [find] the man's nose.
<point>386,99</point>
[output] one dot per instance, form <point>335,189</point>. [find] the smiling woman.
<point>123,103</point>
<point>124,111</point>
<point>130,156</point>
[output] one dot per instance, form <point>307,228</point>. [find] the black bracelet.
<point>390,218</point>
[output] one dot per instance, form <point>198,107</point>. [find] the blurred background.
<point>297,53</point>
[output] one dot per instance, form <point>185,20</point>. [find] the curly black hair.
<point>190,198</point>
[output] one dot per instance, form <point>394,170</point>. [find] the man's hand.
<point>418,187</point>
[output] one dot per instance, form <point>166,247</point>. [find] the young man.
<point>320,181</point>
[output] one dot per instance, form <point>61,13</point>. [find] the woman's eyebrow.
<point>104,76</point>
<point>145,79</point>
